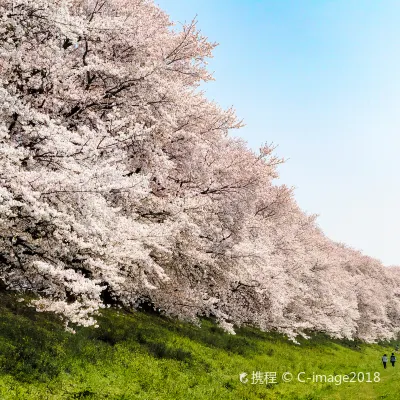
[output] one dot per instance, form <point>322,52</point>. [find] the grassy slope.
<point>144,356</point>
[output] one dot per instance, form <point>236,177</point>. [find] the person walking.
<point>384,360</point>
<point>392,359</point>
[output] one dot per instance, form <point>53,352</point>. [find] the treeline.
<point>119,185</point>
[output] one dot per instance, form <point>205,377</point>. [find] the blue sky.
<point>321,80</point>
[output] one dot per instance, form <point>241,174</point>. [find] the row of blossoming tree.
<point>120,185</point>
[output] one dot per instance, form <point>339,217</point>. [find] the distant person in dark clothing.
<point>397,347</point>
<point>392,359</point>
<point>384,360</point>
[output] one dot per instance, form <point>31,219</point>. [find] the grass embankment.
<point>145,356</point>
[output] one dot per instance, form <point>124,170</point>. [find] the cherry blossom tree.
<point>120,185</point>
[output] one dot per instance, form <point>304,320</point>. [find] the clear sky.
<point>320,79</point>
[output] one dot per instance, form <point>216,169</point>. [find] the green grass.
<point>146,356</point>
